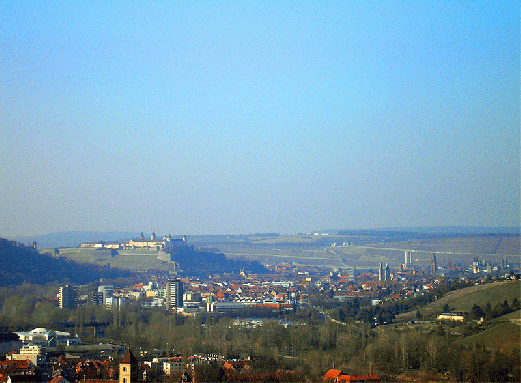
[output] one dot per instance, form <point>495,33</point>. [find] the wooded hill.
<point>20,263</point>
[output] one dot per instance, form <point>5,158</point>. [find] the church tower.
<point>128,369</point>
<point>434,264</point>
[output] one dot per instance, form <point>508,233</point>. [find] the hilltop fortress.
<point>167,243</point>
<point>166,254</point>
<point>138,254</point>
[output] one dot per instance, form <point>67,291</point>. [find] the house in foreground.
<point>337,376</point>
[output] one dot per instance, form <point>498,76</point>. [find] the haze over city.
<point>241,117</point>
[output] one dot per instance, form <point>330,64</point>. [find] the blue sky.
<point>210,117</point>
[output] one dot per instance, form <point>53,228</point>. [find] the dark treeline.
<point>490,313</point>
<point>203,263</point>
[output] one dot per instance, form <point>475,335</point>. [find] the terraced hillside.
<point>367,252</point>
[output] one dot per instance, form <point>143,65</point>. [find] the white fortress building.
<point>154,243</point>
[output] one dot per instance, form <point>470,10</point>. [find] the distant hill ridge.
<point>75,238</point>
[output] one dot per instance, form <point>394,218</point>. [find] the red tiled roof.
<point>129,358</point>
<point>358,378</point>
<point>99,381</point>
<point>57,379</point>
<point>339,376</point>
<point>332,374</point>
<point>15,365</point>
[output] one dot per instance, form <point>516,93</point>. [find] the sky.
<point>236,117</point>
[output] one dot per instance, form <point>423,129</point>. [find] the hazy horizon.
<point>244,117</point>
<point>125,234</point>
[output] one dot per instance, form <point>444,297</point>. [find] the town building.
<point>106,291</point>
<point>68,297</point>
<point>128,369</point>
<point>34,353</point>
<point>174,294</point>
<point>457,317</point>
<point>337,376</point>
<point>47,338</point>
<point>384,273</point>
<point>434,264</point>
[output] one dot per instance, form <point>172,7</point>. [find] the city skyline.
<point>231,118</point>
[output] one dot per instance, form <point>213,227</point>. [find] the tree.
<point>477,312</point>
<point>488,311</point>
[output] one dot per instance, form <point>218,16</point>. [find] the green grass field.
<point>463,300</point>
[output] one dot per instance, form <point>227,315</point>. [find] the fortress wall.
<point>140,252</point>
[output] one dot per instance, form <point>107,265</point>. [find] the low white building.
<point>171,364</point>
<point>47,338</point>
<point>457,317</point>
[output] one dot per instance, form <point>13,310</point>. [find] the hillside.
<point>141,260</point>
<point>493,293</point>
<point>463,299</point>
<point>504,337</point>
<point>20,263</point>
